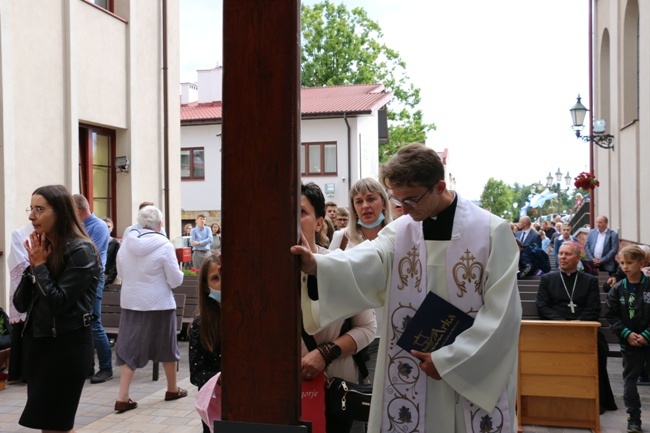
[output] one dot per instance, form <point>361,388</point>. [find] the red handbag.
<point>313,402</point>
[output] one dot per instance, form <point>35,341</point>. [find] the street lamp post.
<point>557,185</point>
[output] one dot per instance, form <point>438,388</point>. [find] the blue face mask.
<point>215,294</point>
<point>373,225</point>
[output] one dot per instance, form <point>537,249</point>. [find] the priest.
<point>571,295</point>
<point>467,256</point>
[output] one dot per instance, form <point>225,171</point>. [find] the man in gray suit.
<point>602,246</point>
<point>527,235</point>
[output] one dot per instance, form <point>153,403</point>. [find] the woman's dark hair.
<point>315,197</point>
<point>210,330</point>
<point>317,200</point>
<point>67,226</point>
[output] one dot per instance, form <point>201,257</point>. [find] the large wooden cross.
<point>261,300</point>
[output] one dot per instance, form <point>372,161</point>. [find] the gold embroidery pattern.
<point>410,267</point>
<point>467,272</point>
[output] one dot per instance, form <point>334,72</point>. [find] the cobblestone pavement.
<point>153,414</point>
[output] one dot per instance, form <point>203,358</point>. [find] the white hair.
<point>150,217</point>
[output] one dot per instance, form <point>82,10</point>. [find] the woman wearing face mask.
<point>369,207</point>
<point>205,332</point>
<point>369,213</point>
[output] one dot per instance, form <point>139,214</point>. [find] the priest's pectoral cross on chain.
<point>572,306</point>
<point>570,295</point>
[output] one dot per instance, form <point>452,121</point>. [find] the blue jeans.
<point>100,340</point>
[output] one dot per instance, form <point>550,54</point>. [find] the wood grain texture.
<point>260,197</point>
<point>558,374</point>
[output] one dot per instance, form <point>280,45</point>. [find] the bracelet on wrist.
<point>329,351</point>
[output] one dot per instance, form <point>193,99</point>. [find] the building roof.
<point>315,102</point>
<point>195,111</point>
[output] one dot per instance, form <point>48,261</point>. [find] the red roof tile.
<point>315,101</point>
<point>200,112</point>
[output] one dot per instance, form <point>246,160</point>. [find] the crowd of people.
<point>572,293</point>
<point>369,265</point>
<point>60,263</point>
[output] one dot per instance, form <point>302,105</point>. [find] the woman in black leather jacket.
<point>57,292</point>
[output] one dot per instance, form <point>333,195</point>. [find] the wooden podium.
<point>558,374</point>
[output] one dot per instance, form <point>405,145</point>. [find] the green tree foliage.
<point>521,194</point>
<point>340,46</point>
<point>497,197</point>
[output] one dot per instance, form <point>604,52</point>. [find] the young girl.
<point>205,332</point>
<point>629,316</point>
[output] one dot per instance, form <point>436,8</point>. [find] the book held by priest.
<point>435,324</point>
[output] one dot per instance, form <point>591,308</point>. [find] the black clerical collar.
<point>569,274</point>
<point>440,227</point>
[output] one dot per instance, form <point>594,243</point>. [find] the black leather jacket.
<point>57,306</point>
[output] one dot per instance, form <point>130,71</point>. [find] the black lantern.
<point>578,113</point>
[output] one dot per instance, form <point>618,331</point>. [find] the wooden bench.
<point>111,313</point>
<point>190,288</point>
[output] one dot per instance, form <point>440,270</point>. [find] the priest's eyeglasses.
<point>410,202</point>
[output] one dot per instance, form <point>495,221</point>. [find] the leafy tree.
<point>564,202</point>
<point>497,197</point>
<point>344,47</point>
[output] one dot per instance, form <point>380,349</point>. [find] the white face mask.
<point>215,294</point>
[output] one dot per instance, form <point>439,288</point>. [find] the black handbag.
<point>347,400</point>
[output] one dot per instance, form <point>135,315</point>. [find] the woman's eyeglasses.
<point>37,210</point>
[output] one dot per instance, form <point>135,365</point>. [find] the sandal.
<point>123,406</point>
<point>175,395</point>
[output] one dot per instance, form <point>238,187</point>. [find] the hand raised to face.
<point>38,249</point>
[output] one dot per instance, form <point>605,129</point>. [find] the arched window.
<point>631,62</point>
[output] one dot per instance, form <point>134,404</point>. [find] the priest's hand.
<point>427,364</point>
<point>307,258</point>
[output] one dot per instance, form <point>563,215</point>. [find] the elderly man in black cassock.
<point>571,295</point>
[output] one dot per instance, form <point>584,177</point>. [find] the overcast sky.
<point>497,78</point>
